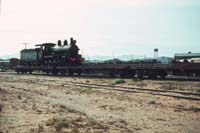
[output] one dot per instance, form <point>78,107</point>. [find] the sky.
<point>103,27</point>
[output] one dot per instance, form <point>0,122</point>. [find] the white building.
<point>165,60</point>
<point>194,60</point>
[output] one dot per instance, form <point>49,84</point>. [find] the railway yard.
<point>125,66</point>
<point>54,104</point>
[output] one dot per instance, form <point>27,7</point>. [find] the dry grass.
<point>87,91</point>
<point>57,122</point>
<point>60,107</point>
<point>73,121</point>
<point>12,86</point>
<point>75,124</point>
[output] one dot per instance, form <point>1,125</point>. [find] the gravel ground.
<point>37,103</point>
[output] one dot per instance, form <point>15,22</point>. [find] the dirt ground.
<point>38,103</point>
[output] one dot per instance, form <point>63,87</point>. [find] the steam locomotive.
<point>50,54</point>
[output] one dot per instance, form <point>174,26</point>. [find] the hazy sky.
<point>103,27</point>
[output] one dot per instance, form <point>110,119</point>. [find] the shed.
<point>182,56</point>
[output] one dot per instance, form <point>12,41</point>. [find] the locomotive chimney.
<point>65,43</point>
<point>59,43</point>
<point>155,53</point>
<point>71,41</point>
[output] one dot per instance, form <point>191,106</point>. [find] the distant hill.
<point>16,55</point>
<point>4,60</point>
<point>121,57</point>
<point>97,57</point>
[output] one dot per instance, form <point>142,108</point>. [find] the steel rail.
<point>137,90</point>
<point>134,88</point>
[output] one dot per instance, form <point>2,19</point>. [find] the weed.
<point>68,92</point>
<point>92,121</point>
<point>1,106</point>
<point>19,97</point>
<point>61,123</point>
<point>152,102</point>
<point>51,121</point>
<point>118,81</point>
<point>179,87</point>
<point>198,90</point>
<point>59,106</point>
<point>12,86</point>
<point>123,122</point>
<point>75,130</point>
<point>57,123</point>
<point>62,106</point>
<point>71,110</point>
<point>40,128</point>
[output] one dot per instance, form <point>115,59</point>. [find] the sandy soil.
<point>35,103</point>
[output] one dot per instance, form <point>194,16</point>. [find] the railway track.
<point>126,89</point>
<point>166,93</point>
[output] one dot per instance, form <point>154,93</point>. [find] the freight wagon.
<point>123,70</point>
<point>4,65</point>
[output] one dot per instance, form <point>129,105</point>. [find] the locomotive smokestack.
<point>65,43</point>
<point>59,43</point>
<point>71,41</point>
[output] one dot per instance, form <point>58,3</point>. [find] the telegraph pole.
<point>25,44</point>
<point>0,7</point>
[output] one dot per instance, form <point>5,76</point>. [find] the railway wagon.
<point>4,65</point>
<point>14,62</point>
<point>122,70</point>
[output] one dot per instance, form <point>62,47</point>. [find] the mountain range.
<point>87,57</point>
<point>15,55</point>
<point>121,57</point>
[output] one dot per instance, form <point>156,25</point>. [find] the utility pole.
<point>0,7</point>
<point>25,44</point>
